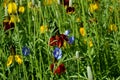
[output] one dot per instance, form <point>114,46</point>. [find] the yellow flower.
<point>93,7</point>
<point>90,43</point>
<point>43,29</point>
<point>48,2</point>
<point>112,27</point>
<point>82,31</point>
<point>12,7</point>
<point>18,59</point>
<point>29,4</point>
<point>10,60</point>
<point>21,9</point>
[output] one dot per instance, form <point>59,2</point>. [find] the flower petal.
<point>18,59</point>
<point>10,60</point>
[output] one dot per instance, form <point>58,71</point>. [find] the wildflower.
<point>71,40</point>
<point>66,3</point>
<point>59,70</point>
<point>21,9</point>
<point>89,73</point>
<point>93,7</point>
<point>82,31</point>
<point>112,27</point>
<point>8,24</point>
<point>12,7</point>
<point>67,32</point>
<point>43,29</point>
<point>25,51</point>
<point>58,40</point>
<point>13,57</point>
<point>90,43</point>
<point>49,2</point>
<point>57,53</point>
<point>70,10</point>
<point>29,4</point>
<point>10,60</point>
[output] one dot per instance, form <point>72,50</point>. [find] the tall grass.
<point>103,57</point>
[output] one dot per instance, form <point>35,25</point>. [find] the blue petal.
<point>71,40</point>
<point>25,51</point>
<point>57,53</point>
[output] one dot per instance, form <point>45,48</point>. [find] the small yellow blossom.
<point>82,31</point>
<point>12,7</point>
<point>49,2</point>
<point>29,4</point>
<point>90,43</point>
<point>43,29</point>
<point>93,7</point>
<point>18,59</point>
<point>21,9</point>
<point>10,60</point>
<point>112,27</point>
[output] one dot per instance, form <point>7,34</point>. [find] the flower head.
<point>71,40</point>
<point>21,9</point>
<point>12,7</point>
<point>25,51</point>
<point>13,57</point>
<point>59,70</point>
<point>70,10</point>
<point>93,7</point>
<point>8,24</point>
<point>82,31</point>
<point>112,27</point>
<point>58,40</point>
<point>43,29</point>
<point>57,53</point>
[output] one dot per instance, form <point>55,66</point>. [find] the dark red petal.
<point>60,42</point>
<point>52,66</point>
<point>52,41</point>
<point>70,9</point>
<point>66,2</point>
<point>64,37</point>
<point>62,67</point>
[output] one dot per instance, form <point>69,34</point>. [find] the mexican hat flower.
<point>58,70</point>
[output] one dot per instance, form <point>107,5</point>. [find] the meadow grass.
<point>103,57</point>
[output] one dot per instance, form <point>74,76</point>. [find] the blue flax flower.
<point>57,53</point>
<point>25,51</point>
<point>71,40</point>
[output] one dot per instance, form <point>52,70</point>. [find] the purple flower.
<point>71,40</point>
<point>57,53</point>
<point>25,51</point>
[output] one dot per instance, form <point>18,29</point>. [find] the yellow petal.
<point>21,9</point>
<point>10,60</point>
<point>18,59</point>
<point>82,31</point>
